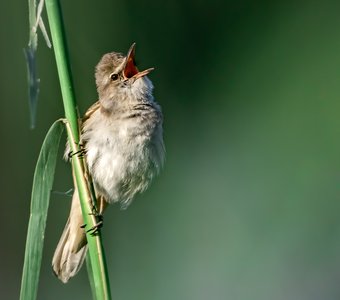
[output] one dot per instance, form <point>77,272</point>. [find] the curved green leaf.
<point>42,186</point>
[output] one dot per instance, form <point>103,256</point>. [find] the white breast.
<point>122,155</point>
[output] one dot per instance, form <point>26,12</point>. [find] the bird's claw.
<point>80,153</point>
<point>94,230</point>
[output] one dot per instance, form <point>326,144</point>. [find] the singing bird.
<point>122,137</point>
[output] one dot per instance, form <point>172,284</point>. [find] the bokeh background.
<point>248,205</point>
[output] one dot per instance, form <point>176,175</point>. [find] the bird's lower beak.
<point>130,69</point>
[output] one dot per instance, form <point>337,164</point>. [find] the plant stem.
<point>33,40</point>
<point>59,43</point>
<point>87,200</point>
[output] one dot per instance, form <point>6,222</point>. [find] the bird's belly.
<point>120,168</point>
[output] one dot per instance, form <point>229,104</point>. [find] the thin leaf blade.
<point>42,186</point>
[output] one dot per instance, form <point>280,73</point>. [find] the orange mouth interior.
<point>130,68</point>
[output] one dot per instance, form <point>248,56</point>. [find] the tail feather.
<point>72,247</point>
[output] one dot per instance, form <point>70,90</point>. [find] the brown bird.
<point>123,143</point>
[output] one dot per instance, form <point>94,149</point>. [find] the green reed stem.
<point>96,251</point>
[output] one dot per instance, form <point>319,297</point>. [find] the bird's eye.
<point>114,76</point>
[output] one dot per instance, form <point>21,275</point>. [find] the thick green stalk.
<point>95,247</point>
<point>59,43</point>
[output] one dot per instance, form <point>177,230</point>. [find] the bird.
<point>122,138</point>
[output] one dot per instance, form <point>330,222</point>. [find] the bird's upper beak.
<point>130,70</point>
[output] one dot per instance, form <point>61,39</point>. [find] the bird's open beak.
<point>130,69</point>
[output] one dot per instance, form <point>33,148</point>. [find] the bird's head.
<point>118,78</point>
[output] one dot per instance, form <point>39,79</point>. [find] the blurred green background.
<point>248,204</point>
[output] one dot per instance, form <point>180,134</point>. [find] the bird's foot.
<point>94,230</point>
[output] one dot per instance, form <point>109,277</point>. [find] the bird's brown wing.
<point>101,201</point>
<point>94,107</point>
